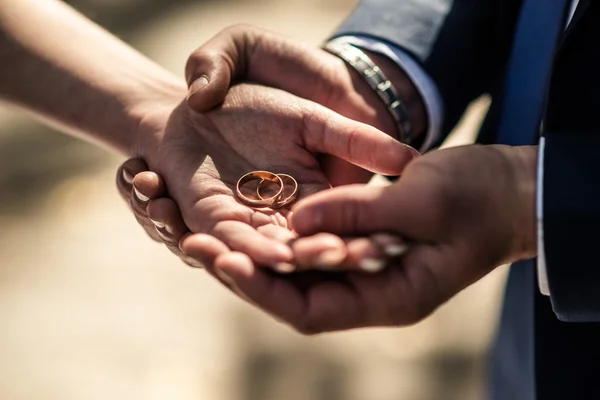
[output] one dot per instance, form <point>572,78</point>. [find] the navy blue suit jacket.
<point>547,348</point>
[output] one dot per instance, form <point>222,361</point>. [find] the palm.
<point>202,156</point>
<point>314,302</point>
<point>460,229</point>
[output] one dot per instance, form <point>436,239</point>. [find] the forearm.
<point>60,66</point>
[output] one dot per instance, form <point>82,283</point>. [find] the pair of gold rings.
<point>287,190</point>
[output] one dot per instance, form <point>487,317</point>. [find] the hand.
<point>245,53</point>
<point>201,157</point>
<point>465,210</point>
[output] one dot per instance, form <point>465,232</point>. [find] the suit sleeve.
<point>463,45</point>
<point>571,215</point>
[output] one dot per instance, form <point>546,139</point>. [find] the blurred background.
<point>90,308</point>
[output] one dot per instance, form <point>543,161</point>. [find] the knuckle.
<point>352,142</point>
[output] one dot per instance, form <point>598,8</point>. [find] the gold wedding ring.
<point>263,176</point>
<point>286,194</point>
<point>282,201</point>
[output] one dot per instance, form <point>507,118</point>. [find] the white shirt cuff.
<point>424,84</point>
<point>541,261</point>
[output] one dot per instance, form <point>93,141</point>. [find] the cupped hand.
<point>245,53</point>
<point>201,157</point>
<point>465,211</point>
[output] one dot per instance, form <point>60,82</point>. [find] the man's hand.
<point>201,157</point>
<point>245,53</point>
<point>465,211</point>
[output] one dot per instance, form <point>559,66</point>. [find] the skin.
<point>245,53</point>
<point>462,212</point>
<point>65,70</point>
<point>201,157</point>
<point>459,230</point>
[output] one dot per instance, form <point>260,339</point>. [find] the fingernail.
<point>223,276</point>
<point>283,251</point>
<point>182,239</point>
<point>415,152</point>
<point>158,224</point>
<point>284,268</point>
<point>395,250</point>
<point>163,235</point>
<point>392,245</point>
<point>197,85</point>
<point>127,175</point>
<point>371,265</point>
<point>330,259</point>
<point>141,197</point>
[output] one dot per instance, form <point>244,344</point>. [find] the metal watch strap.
<point>377,81</point>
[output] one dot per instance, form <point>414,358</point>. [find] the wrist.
<point>375,107</point>
<point>524,170</point>
<point>150,112</point>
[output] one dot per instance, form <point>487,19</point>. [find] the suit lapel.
<point>579,12</point>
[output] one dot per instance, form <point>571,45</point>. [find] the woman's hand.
<point>201,157</point>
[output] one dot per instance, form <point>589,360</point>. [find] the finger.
<point>358,143</point>
<point>323,251</point>
<point>263,57</point>
<point>210,69</point>
<point>278,233</point>
<point>168,222</point>
<point>325,306</point>
<point>203,248</point>
<point>392,246</point>
<point>148,185</point>
<point>340,172</point>
<point>271,293</point>
<point>145,186</point>
<point>366,254</point>
<point>244,238</point>
<point>125,174</point>
<point>281,235</point>
<point>374,253</point>
<point>348,210</point>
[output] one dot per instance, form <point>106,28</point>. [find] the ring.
<point>282,202</point>
<point>256,175</point>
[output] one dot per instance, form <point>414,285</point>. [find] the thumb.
<point>263,57</point>
<point>209,72</point>
<point>348,210</point>
<point>360,144</point>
